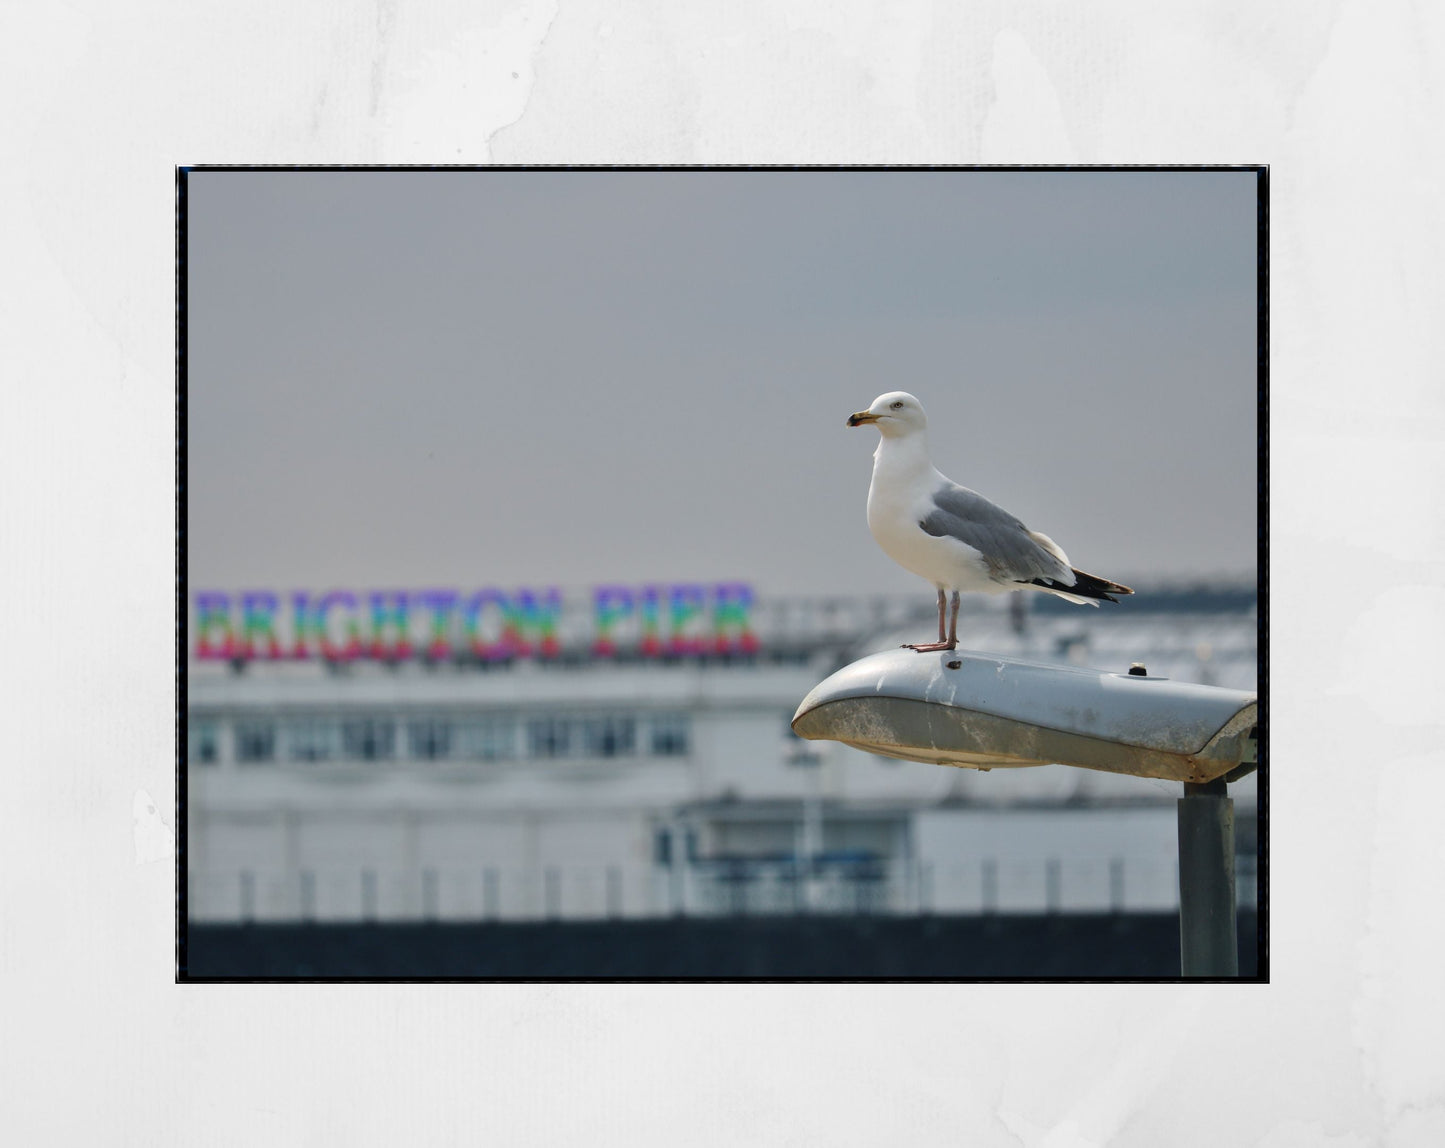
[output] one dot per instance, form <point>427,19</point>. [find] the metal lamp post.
<point>986,711</point>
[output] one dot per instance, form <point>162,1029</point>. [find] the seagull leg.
<point>952,624</point>
<point>943,643</point>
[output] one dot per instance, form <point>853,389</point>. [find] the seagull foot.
<point>931,647</point>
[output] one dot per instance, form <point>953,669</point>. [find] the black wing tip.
<point>1092,586</point>
<point>1086,586</point>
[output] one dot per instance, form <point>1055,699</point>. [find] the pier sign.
<point>655,621</point>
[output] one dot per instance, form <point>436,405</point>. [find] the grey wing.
<point>1007,545</point>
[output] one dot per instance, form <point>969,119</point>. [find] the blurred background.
<point>521,514</point>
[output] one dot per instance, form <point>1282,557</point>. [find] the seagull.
<point>953,536</point>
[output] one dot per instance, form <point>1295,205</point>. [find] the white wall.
<point>523,838</point>
<point>954,847</point>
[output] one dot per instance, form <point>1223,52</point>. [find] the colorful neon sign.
<point>344,625</point>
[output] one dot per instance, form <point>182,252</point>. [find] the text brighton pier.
<point>666,620</point>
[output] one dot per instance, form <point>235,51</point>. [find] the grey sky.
<point>522,379</point>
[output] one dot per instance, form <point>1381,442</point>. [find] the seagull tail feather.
<point>1085,591</point>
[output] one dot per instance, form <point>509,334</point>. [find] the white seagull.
<point>951,535</point>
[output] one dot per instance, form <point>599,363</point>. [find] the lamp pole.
<point>1208,946</point>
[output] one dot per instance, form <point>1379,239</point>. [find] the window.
<point>488,738</point>
<point>370,739</point>
<point>314,739</point>
<point>255,741</point>
<point>609,736</point>
<point>670,735</point>
<point>204,742</point>
<point>429,738</point>
<point>549,737</point>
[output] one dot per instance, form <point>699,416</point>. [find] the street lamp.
<point>987,711</point>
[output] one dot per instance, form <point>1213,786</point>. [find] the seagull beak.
<point>858,418</point>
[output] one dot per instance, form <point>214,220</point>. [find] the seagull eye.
<point>898,406</point>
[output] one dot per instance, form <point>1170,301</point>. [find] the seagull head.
<point>896,413</point>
